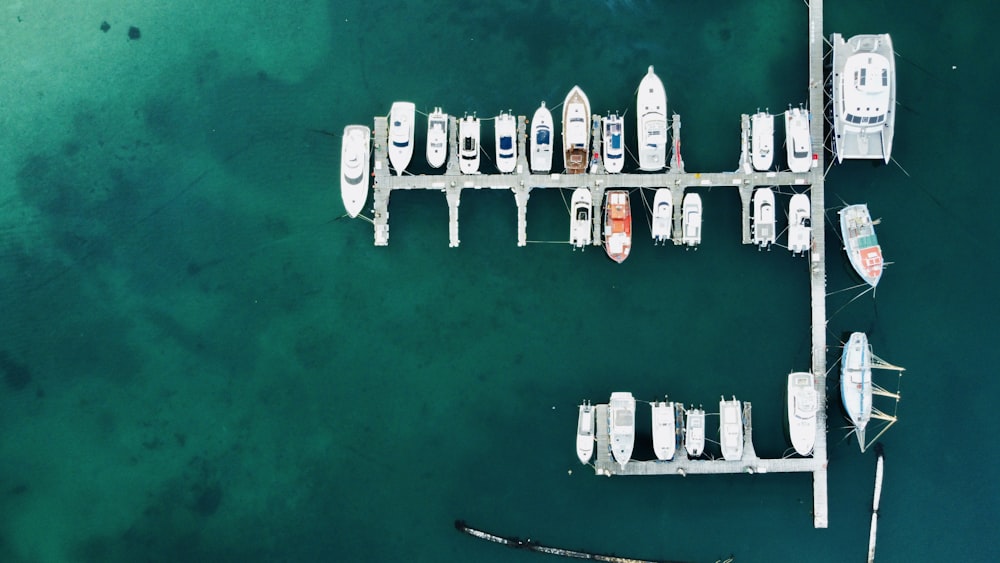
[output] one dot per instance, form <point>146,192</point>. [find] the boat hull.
<point>762,140</point>
<point>663,216</point>
<point>585,433</point>
<point>798,143</point>
<point>576,131</point>
<point>355,162</point>
<point>468,145</point>
<point>763,217</point>
<point>651,122</point>
<point>691,219</point>
<point>856,382</point>
<point>506,142</point>
<point>664,430</point>
<point>799,224</point>
<point>437,138</point>
<point>863,96</point>
<point>541,140</point>
<point>621,413</point>
<point>801,410</point>
<point>731,429</point>
<point>617,225</point>
<point>581,218</point>
<point>694,433</point>
<point>860,243</point>
<point>401,124</point>
<point>614,143</point>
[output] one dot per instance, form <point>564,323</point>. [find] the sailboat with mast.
<point>857,388</point>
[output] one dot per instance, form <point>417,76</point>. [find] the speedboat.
<point>663,216</point>
<point>401,119</point>
<point>691,219</point>
<point>651,101</point>
<point>437,138</point>
<point>694,432</point>
<point>506,133</point>
<point>617,225</point>
<point>664,429</point>
<point>798,143</point>
<point>856,383</point>
<point>585,433</point>
<point>576,131</point>
<point>763,218</point>
<point>580,223</point>
<point>864,96</point>
<point>731,429</point>
<point>802,406</point>
<point>762,140</point>
<point>468,144</point>
<point>355,159</point>
<point>799,224</point>
<point>614,143</point>
<point>541,140</point>
<point>621,412</point>
<point>860,242</point>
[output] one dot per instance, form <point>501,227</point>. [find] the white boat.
<point>576,131</point>
<point>401,122</point>
<point>541,140</point>
<point>762,140</point>
<point>506,139</point>
<point>691,219</point>
<point>437,138</point>
<point>617,225</point>
<point>581,218</point>
<point>864,96</point>
<point>856,382</point>
<point>802,406</point>
<point>651,101</point>
<point>585,433</point>
<point>731,429</point>
<point>764,231</point>
<point>355,161</point>
<point>664,429</point>
<point>614,143</point>
<point>694,432</point>
<point>798,143</point>
<point>468,144</point>
<point>799,224</point>
<point>621,414</point>
<point>860,242</point>
<point>663,216</point>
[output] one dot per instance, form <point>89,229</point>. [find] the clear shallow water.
<point>202,363</point>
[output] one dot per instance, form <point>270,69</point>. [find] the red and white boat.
<point>617,225</point>
<point>860,242</point>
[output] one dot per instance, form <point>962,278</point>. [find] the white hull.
<point>663,216</point>
<point>576,131</point>
<point>664,430</point>
<point>802,407</point>
<point>763,217</point>
<point>581,218</point>
<point>614,143</point>
<point>798,143</point>
<point>691,219</point>
<point>541,140</point>
<point>468,145</point>
<point>799,224</point>
<point>401,122</point>
<point>860,242</point>
<point>437,138</point>
<point>651,102</point>
<point>856,382</point>
<point>621,411</point>
<point>762,140</point>
<point>731,429</point>
<point>506,142</point>
<point>585,433</point>
<point>355,161</point>
<point>863,97</point>
<point>694,433</point>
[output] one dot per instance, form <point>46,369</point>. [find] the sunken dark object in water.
<point>105,26</point>
<point>134,33</point>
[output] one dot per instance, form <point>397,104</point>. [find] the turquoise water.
<point>202,362</point>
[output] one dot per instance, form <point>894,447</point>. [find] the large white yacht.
<point>664,429</point>
<point>651,102</point>
<point>576,131</point>
<point>802,407</point>
<point>762,140</point>
<point>355,160</point>
<point>799,224</point>
<point>860,242</point>
<point>468,144</point>
<point>581,218</point>
<point>691,219</point>
<point>731,429</point>
<point>401,122</point>
<point>798,143</point>
<point>437,138</point>
<point>864,96</point>
<point>763,218</point>
<point>694,432</point>
<point>663,216</point>
<point>506,142</point>
<point>614,143</point>
<point>585,433</point>
<point>856,383</point>
<point>541,140</point>
<point>621,412</point>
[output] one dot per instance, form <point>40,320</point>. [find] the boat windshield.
<point>469,144</point>
<point>616,142</point>
<point>543,137</point>
<point>506,143</point>
<point>582,214</point>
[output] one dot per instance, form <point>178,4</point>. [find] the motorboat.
<point>803,403</point>
<point>763,218</point>
<point>581,218</point>
<point>860,242</point>
<point>799,224</point>
<point>762,140</point>
<point>401,122</point>
<point>694,432</point>
<point>541,140</point>
<point>864,96</point>
<point>651,101</point>
<point>468,144</point>
<point>506,135</point>
<point>731,429</point>
<point>856,383</point>
<point>614,143</point>
<point>576,131</point>
<point>691,219</point>
<point>617,225</point>
<point>621,415</point>
<point>355,161</point>
<point>585,433</point>
<point>437,138</point>
<point>663,216</point>
<point>798,143</point>
<point>664,429</point>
